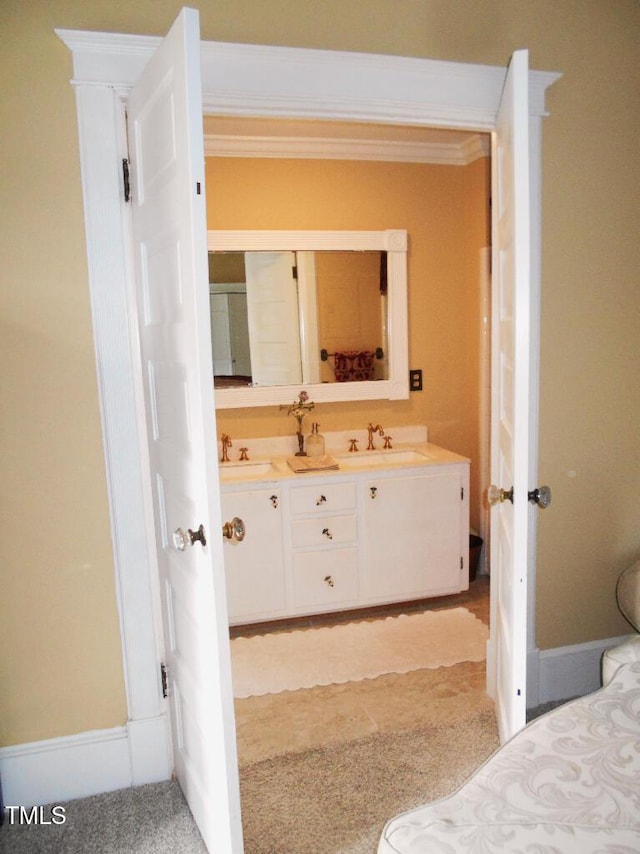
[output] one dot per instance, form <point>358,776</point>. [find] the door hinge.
<point>163,679</point>
<point>461,562</point>
<point>462,493</point>
<point>294,272</point>
<point>126,180</point>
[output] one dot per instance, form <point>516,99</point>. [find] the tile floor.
<point>296,720</point>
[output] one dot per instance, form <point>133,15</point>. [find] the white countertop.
<point>399,456</point>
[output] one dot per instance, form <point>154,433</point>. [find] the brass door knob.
<point>234,530</point>
<point>495,495</point>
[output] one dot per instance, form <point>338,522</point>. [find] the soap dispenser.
<point>315,442</point>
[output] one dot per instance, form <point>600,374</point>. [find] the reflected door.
<point>272,308</point>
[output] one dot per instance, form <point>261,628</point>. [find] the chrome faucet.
<point>371,430</point>
<point>226,444</point>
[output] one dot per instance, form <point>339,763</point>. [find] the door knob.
<point>541,496</point>
<point>234,530</point>
<point>182,539</point>
<point>495,495</point>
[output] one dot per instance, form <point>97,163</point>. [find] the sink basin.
<point>401,456</point>
<point>375,459</point>
<point>245,468</point>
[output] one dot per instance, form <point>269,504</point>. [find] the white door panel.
<point>272,307</point>
<point>170,259</point>
<point>507,652</point>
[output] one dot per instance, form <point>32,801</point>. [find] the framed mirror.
<point>321,310</point>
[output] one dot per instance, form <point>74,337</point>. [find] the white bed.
<point>569,782</point>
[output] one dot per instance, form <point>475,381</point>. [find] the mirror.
<point>321,310</point>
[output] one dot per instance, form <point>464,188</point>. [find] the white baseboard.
<point>76,766</point>
<point>567,671</point>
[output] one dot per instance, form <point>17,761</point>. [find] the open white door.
<point>170,249</point>
<point>507,648</point>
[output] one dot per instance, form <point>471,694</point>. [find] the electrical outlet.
<point>415,380</point>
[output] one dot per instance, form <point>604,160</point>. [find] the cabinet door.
<point>412,536</point>
<point>254,567</point>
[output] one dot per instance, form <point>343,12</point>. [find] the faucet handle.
<point>353,445</point>
<point>387,442</point>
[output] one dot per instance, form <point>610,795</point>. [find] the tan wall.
<point>60,659</point>
<point>444,210</point>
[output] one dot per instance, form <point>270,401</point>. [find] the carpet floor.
<point>337,799</point>
<point>329,800</point>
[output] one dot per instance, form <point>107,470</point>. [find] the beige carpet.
<point>337,799</point>
<point>304,658</point>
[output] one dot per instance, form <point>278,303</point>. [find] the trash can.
<point>475,547</point>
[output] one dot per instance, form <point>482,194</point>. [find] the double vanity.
<point>387,525</point>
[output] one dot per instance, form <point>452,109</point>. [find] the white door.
<point>169,239</point>
<point>507,649</point>
<point>272,307</point>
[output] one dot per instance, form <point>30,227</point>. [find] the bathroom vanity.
<point>386,526</point>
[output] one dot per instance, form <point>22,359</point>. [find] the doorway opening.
<point>270,726</point>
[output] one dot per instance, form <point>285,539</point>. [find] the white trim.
<point>237,80</point>
<point>76,766</point>
<point>302,147</point>
<point>570,671</point>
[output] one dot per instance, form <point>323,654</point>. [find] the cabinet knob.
<point>373,491</point>
<point>329,580</point>
<point>327,533</point>
<point>234,530</point>
<point>321,500</point>
<point>274,500</point>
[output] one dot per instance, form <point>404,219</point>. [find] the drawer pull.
<point>321,500</point>
<point>327,533</point>
<point>329,580</point>
<point>274,500</point>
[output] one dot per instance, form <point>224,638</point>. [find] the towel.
<point>303,464</point>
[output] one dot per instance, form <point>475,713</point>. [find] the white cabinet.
<point>324,547</point>
<point>340,540</point>
<point>412,535</point>
<point>254,566</point>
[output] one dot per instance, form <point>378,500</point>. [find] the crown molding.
<point>260,80</point>
<point>398,151</point>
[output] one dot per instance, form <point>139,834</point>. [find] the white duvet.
<point>569,782</point>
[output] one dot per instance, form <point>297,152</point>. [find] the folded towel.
<point>303,464</point>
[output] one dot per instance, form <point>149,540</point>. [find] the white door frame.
<point>237,80</point>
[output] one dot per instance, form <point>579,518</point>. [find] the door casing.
<point>238,80</point>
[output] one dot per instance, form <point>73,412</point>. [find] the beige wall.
<point>444,210</point>
<point>60,658</point>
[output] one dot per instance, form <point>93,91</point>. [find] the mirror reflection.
<point>306,316</point>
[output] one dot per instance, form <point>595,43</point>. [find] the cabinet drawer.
<point>323,578</point>
<point>323,498</point>
<point>324,531</point>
